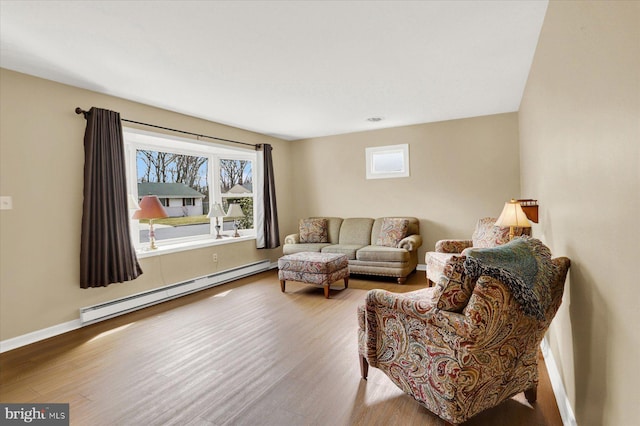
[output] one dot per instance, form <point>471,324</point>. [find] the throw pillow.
<point>314,231</point>
<point>455,286</point>
<point>392,232</point>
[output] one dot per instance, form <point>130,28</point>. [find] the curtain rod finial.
<point>80,111</point>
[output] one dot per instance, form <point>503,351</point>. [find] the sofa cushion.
<point>314,230</point>
<point>347,249</point>
<point>379,253</point>
<point>356,231</point>
<point>392,231</point>
<point>299,248</point>
<point>454,286</point>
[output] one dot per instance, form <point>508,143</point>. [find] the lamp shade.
<point>216,211</point>
<point>150,208</point>
<point>513,215</point>
<point>235,211</point>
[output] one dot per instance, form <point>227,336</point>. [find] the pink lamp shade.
<point>150,208</point>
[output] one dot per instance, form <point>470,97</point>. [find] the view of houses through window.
<point>236,187</point>
<point>188,181</point>
<point>181,183</point>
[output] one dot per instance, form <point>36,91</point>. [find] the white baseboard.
<point>421,267</point>
<point>170,293</point>
<point>35,336</point>
<point>566,412</point>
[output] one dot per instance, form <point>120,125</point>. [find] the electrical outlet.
<point>6,203</point>
<point>215,257</point>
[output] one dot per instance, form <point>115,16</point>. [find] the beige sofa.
<point>373,246</point>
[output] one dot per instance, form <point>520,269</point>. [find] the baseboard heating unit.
<point>117,307</point>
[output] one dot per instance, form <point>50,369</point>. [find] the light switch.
<point>6,203</point>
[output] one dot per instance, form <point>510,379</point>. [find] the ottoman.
<point>319,269</point>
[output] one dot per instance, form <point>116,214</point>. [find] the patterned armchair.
<point>485,235</point>
<point>471,341</point>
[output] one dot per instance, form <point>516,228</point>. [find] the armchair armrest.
<point>292,239</point>
<point>453,246</point>
<point>419,308</point>
<point>411,243</point>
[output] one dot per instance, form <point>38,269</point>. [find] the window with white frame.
<point>188,177</point>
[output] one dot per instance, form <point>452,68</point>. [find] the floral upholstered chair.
<point>485,235</point>
<point>471,341</point>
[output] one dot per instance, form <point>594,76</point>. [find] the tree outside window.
<point>236,187</point>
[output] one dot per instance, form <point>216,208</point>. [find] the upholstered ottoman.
<point>319,269</point>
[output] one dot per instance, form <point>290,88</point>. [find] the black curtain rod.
<point>256,146</point>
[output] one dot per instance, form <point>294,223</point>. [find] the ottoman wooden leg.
<point>282,285</point>
<point>326,291</point>
<point>346,282</point>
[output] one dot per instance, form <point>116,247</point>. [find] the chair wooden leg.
<point>402,280</point>
<point>346,282</point>
<point>364,367</point>
<point>531,394</point>
<point>326,291</point>
<point>282,284</point>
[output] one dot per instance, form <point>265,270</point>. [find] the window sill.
<point>144,251</point>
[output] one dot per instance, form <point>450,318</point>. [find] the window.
<point>188,176</point>
<point>236,187</point>
<point>387,161</point>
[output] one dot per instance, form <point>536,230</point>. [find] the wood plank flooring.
<point>238,354</point>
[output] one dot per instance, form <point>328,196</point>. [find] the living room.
<point>572,144</point>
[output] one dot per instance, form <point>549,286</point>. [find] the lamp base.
<point>152,236</point>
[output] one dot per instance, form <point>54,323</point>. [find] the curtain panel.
<point>106,253</point>
<point>267,230</point>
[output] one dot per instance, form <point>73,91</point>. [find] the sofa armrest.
<point>292,239</point>
<point>411,243</point>
<point>453,246</point>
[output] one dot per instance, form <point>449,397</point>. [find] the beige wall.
<point>579,148</point>
<point>41,167</point>
<point>461,170</point>
<point>580,139</point>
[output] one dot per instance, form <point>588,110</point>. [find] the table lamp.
<point>235,213</point>
<point>513,216</point>
<point>151,208</point>
<point>217,212</point>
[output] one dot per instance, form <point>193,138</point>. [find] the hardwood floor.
<point>239,354</point>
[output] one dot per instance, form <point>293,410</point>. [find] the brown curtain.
<point>270,226</point>
<point>106,253</point>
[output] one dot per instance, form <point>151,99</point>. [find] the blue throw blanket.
<point>523,264</point>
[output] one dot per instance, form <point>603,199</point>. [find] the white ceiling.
<point>291,69</point>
